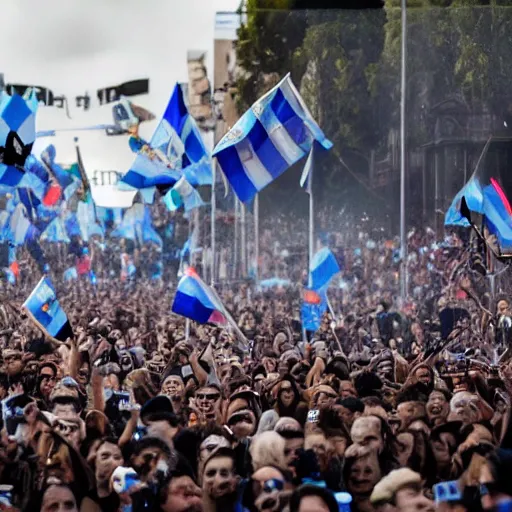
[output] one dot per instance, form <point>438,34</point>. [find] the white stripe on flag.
<point>253,168</point>
<point>277,133</point>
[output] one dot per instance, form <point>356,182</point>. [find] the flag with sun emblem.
<point>44,309</point>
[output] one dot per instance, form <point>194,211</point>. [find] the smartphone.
<point>313,416</point>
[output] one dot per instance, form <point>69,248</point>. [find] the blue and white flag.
<point>70,274</point>
<point>182,194</point>
<point>322,269</point>
<point>44,308</point>
<point>17,134</point>
<point>55,232</point>
<point>137,226</point>
<point>314,306</point>
<point>86,216</point>
<point>275,133</point>
<point>18,229</point>
<point>175,149</point>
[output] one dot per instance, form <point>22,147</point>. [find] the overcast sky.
<point>78,46</point>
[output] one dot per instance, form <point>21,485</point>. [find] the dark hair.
<point>500,465</point>
<point>170,417</point>
<point>312,490</point>
<point>223,451</point>
<point>147,442</point>
<point>351,403</point>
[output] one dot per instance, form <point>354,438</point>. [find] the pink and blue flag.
<point>196,300</point>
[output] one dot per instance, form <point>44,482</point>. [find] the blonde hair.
<point>267,449</point>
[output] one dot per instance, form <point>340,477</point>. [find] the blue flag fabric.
<point>182,194</point>
<point>176,148</point>
<point>472,192</point>
<point>55,232</point>
<point>86,217</point>
<point>314,306</point>
<point>17,134</point>
<point>322,269</point>
<point>275,133</point>
<point>137,226</point>
<point>195,300</point>
<point>44,308</point>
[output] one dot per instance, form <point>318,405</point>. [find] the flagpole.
<point>236,244</point>
<point>311,221</point>
<point>256,237</point>
<point>243,241</point>
<point>212,221</point>
<point>403,234</point>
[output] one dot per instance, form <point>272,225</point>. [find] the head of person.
<point>495,479</point>
<point>46,380</point>
<point>368,431</point>
<point>438,406</point>
<point>287,395</point>
<point>402,491</point>
<point>150,455</point>
<point>59,498</point>
<point>362,470</point>
<point>108,458</point>
<point>310,498</point>
<point>13,362</point>
<point>334,429</point>
<point>208,399</point>
<point>71,429</point>
<point>268,449</point>
<point>294,445</point>
<point>465,407</point>
<point>323,396</point>
<point>157,415</point>
<point>219,479</point>
<point>180,492</point>
<point>444,440</point>
<point>349,409</point>
<point>173,387</point>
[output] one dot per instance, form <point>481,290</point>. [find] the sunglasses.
<point>208,396</point>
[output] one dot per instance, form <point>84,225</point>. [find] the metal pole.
<point>244,241</point>
<point>403,234</point>
<point>236,244</point>
<point>311,223</point>
<point>257,238</point>
<point>212,220</point>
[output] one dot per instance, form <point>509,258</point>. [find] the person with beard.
<point>219,482</point>
<point>288,401</point>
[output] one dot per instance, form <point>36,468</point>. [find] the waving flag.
<point>17,134</point>
<point>182,194</point>
<point>44,308</point>
<point>86,217</point>
<point>314,306</point>
<point>322,269</point>
<point>489,192</point>
<point>137,226</point>
<point>306,178</point>
<point>195,300</point>
<point>275,133</point>
<point>472,192</point>
<point>175,149</point>
<point>55,232</point>
<point>18,229</point>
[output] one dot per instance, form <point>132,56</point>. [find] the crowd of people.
<point>387,407</point>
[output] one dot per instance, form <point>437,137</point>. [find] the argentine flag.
<point>275,133</point>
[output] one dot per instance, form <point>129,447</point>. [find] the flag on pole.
<point>55,232</point>
<point>314,306</point>
<point>306,179</point>
<point>182,194</point>
<point>194,299</point>
<point>44,309</point>
<point>17,134</point>
<point>275,133</point>
<point>472,192</point>
<point>175,146</point>
<point>322,269</point>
